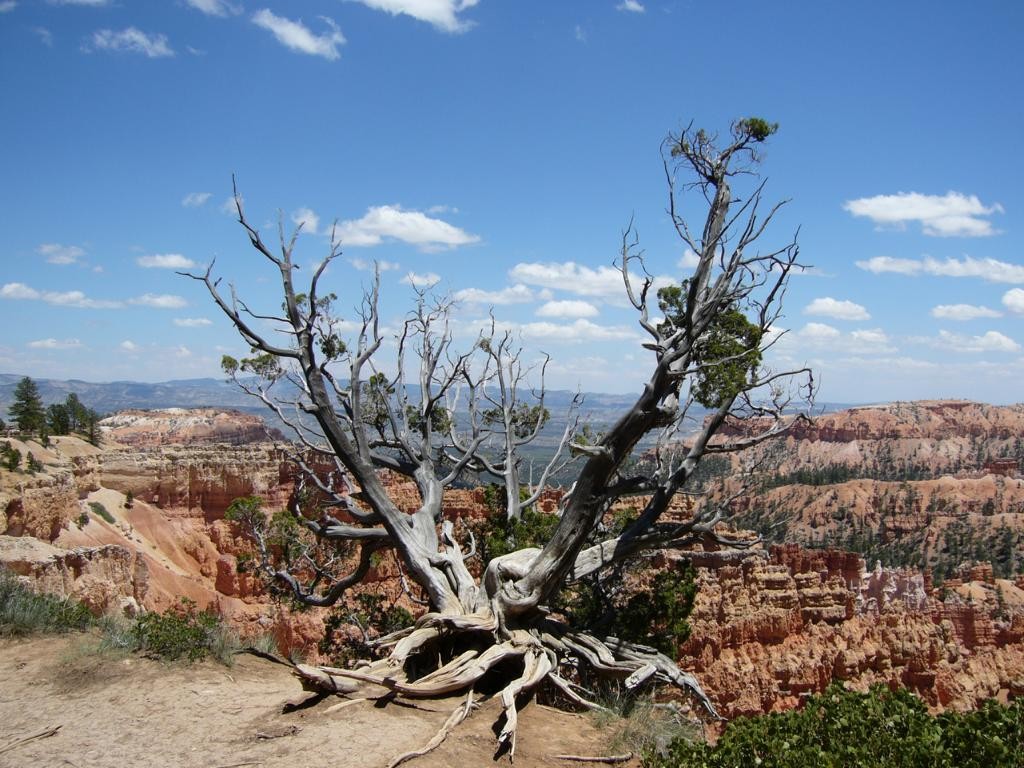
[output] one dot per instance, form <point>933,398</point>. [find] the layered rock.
<point>187,426</point>
<point>771,631</point>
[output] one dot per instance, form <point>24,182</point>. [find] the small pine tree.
<point>129,500</point>
<point>27,408</point>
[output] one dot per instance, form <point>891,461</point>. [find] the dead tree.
<point>356,420</point>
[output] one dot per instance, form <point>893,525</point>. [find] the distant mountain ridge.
<point>113,396</point>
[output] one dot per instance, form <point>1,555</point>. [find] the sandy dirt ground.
<point>132,712</point>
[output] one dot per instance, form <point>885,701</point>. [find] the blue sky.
<point>502,147</point>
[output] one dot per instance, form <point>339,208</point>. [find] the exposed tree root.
<point>610,759</point>
<point>544,651</point>
<point>459,714</point>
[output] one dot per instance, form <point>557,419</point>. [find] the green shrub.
<point>23,612</point>
<point>841,728</point>
<point>366,613</point>
<point>182,632</point>
<point>100,510</point>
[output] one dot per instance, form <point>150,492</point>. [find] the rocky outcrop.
<point>187,426</point>
<point>106,578</point>
<point>769,632</point>
<point>199,479</point>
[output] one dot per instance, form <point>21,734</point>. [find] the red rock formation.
<point>771,631</point>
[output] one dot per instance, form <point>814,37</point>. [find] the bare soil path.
<point>122,713</point>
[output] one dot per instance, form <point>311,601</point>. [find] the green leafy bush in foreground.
<point>183,632</point>
<point>845,729</point>
<point>23,612</point>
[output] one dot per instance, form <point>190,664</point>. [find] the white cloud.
<point>57,298</point>
<point>182,351</point>
<point>391,222</point>
<point>230,206</point>
<point>569,308</point>
<point>45,36</point>
<point>1013,300</point>
<point>132,40</point>
<point>514,294</point>
<point>949,215</point>
<point>578,330</point>
<point>128,346</point>
<point>421,281</point>
<point>966,311</point>
<point>298,37</point>
<point>840,310</point>
<point>819,332</point>
<point>441,14</point>
<point>580,34</point>
<point>384,266</point>
<point>165,261</point>
<point>92,3</point>
<point>215,7</point>
<point>572,277</point>
<point>56,253</point>
<point>870,337</point>
<point>307,219</point>
<point>689,260</point>
<point>7,6</point>
<point>195,199</point>
<point>991,341</point>
<point>55,344</point>
<point>159,301</point>
<point>633,6</point>
<point>988,269</point>
<point>192,322</point>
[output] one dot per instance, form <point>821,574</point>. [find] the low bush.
<point>841,728</point>
<point>102,511</point>
<point>23,612</point>
<point>184,632</point>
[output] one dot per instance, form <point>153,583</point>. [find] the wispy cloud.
<point>514,294</point>
<point>165,261</point>
<point>91,3</point>
<point>132,40</point>
<point>577,331</point>
<point>568,308</point>
<point>965,311</point>
<point>192,322</point>
<point>421,281</point>
<point>840,310</point>
<point>45,36</point>
<point>632,6</point>
<point>441,14</point>
<point>603,282</point>
<point>365,265</point>
<point>950,215</point>
<point>987,269</point>
<point>159,301</point>
<point>7,6</point>
<point>128,345</point>
<point>55,344</point>
<point>308,219</point>
<point>392,222</point>
<point>55,253</point>
<point>20,291</point>
<point>195,199</point>
<point>215,7</point>
<point>991,341</point>
<point>298,37</point>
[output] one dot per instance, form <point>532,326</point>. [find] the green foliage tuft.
<point>181,633</point>
<point>840,728</point>
<point>755,128</point>
<point>728,351</point>
<point>102,511</point>
<point>23,612</point>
